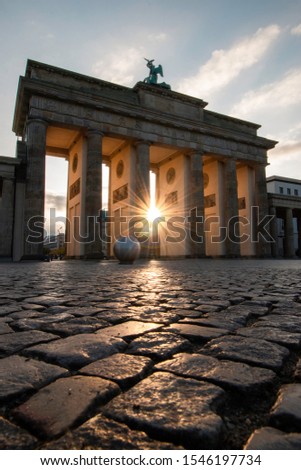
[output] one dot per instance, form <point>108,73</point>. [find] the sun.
<point>153,213</point>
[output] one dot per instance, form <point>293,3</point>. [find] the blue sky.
<point>243,57</point>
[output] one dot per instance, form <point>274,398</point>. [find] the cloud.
<point>296,30</point>
<point>225,65</point>
<point>120,66</point>
<point>157,37</point>
<point>55,200</point>
<point>281,93</point>
<point>287,148</point>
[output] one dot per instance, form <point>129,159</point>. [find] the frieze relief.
<point>241,203</point>
<point>74,189</point>
<point>171,198</point>
<point>209,201</point>
<point>120,194</point>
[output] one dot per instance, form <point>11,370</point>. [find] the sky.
<point>242,57</point>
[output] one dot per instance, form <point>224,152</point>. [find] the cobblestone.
<point>286,413</point>
<point>124,369</point>
<point>253,351</point>
<point>68,400</point>
<point>155,404</point>
<point>228,374</point>
<point>157,355</point>
<point>273,439</point>
<point>158,346</point>
<point>79,350</point>
<point>19,375</point>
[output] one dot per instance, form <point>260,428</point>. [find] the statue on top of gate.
<point>154,71</point>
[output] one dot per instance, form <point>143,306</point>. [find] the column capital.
<point>137,143</point>
<point>195,152</point>
<point>90,131</point>
<point>230,160</point>
<point>36,120</point>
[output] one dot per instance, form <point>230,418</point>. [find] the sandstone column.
<point>7,186</point>
<point>93,196</point>
<point>196,203</point>
<point>35,188</point>
<point>142,176</point>
<point>289,249</point>
<point>231,208</point>
<point>299,234</point>
<point>263,245</point>
<point>274,232</point>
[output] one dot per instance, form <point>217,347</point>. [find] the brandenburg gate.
<point>210,168</point>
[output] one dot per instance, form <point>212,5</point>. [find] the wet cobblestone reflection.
<point>156,355</point>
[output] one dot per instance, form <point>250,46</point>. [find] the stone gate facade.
<point>210,169</point>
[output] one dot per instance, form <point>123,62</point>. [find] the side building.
<point>284,196</point>
<point>10,174</point>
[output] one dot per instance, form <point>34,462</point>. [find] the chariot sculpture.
<point>154,71</point>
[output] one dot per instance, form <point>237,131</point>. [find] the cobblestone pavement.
<point>196,354</point>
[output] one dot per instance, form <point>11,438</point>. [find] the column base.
<point>35,258</point>
<point>94,256</point>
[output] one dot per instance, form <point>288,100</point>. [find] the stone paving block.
<point>248,310</point>
<point>7,309</point>
<point>294,309</point>
<point>14,438</point>
<point>188,313</point>
<point>206,308</point>
<point>286,412</point>
<point>28,306</point>
<point>275,335</point>
<point>233,375</point>
<point>78,350</point>
<point>39,323</point>
<point>26,314</point>
<point>256,302</point>
<point>145,309</point>
<point>203,333</point>
<point>256,352</point>
<point>172,408</point>
<point>115,316</point>
<point>13,294</point>
<point>114,305</point>
<point>159,345</point>
<point>4,300</point>
<point>55,309</point>
<point>221,304</point>
<point>130,329</point>
<point>268,438</point>
<point>4,327</point>
<point>82,311</point>
<point>157,317</point>
<point>178,306</point>
<point>101,433</point>
<point>124,369</point>
<point>217,320</point>
<point>14,342</point>
<point>46,300</point>
<point>284,322</point>
<point>69,401</point>
<point>19,374</point>
<point>76,326</point>
<point>297,373</point>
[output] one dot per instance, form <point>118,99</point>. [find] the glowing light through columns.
<point>153,211</point>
